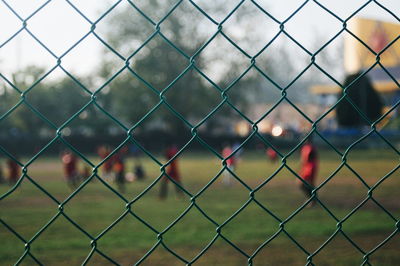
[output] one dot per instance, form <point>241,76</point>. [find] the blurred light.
<point>242,129</point>
<point>277,131</point>
<point>67,131</point>
<point>83,115</point>
<point>264,126</point>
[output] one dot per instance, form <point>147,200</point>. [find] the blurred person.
<point>230,163</point>
<point>118,160</point>
<point>70,162</point>
<point>138,170</point>
<point>309,167</point>
<point>134,150</point>
<point>14,171</point>
<point>103,152</point>
<point>2,180</point>
<point>172,171</point>
<point>238,154</point>
<point>271,154</point>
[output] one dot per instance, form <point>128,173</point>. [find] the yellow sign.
<point>375,34</point>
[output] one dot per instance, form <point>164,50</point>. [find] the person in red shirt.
<point>309,167</point>
<point>14,171</point>
<point>172,171</point>
<point>70,162</point>
<point>230,163</point>
<point>271,154</point>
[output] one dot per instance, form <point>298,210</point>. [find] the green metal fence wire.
<point>225,101</point>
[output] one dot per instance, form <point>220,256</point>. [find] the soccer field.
<point>95,208</point>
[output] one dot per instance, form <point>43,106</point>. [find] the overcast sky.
<point>59,26</point>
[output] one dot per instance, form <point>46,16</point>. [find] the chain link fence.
<point>224,101</point>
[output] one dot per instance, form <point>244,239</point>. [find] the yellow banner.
<point>377,35</point>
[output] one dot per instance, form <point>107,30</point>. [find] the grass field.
<point>95,207</point>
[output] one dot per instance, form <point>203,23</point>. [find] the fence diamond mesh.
<point>224,101</point>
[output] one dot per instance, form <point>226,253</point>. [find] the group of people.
<point>73,175</point>
<point>308,165</point>
<point>113,167</point>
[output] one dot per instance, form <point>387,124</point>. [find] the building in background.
<point>367,41</point>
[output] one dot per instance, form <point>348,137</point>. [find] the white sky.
<point>58,26</point>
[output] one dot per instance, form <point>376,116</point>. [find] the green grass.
<point>95,208</point>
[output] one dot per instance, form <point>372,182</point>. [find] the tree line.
<point>158,78</point>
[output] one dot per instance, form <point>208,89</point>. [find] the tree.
<point>57,100</point>
<point>364,96</point>
<point>160,62</point>
<point>22,120</point>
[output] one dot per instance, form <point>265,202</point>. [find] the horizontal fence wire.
<point>224,101</point>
